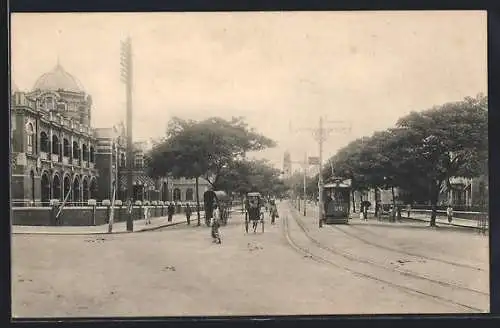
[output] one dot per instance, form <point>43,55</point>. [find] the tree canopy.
<point>206,148</point>
<point>244,176</point>
<point>422,152</point>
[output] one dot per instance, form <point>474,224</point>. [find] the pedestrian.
<point>188,213</point>
<point>147,215</point>
<point>274,212</point>
<point>408,209</point>
<point>170,211</point>
<point>398,211</point>
<point>449,213</point>
<point>215,225</point>
<point>365,211</point>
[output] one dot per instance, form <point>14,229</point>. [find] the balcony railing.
<point>459,180</point>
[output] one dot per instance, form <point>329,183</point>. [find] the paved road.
<point>177,271</point>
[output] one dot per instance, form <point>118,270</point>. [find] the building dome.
<point>58,79</point>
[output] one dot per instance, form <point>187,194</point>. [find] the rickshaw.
<point>253,211</point>
<point>336,195</point>
<point>222,200</point>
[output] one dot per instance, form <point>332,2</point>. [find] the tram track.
<point>355,265</point>
<point>392,249</point>
<point>402,252</point>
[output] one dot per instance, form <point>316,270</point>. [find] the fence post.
<point>93,203</point>
<point>155,204</point>
<point>119,204</point>
<point>107,203</point>
<point>139,204</point>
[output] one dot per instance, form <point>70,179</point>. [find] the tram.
<point>222,200</point>
<point>336,201</point>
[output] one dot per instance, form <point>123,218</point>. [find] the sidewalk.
<point>440,220</point>
<point>118,227</point>
<point>457,222</point>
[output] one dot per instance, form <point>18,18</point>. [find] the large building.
<point>56,154</point>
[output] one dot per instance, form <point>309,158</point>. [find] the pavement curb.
<point>445,224</point>
<point>97,233</point>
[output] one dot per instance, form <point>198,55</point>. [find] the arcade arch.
<point>76,189</point>
<point>46,189</point>
<point>177,195</point>
<point>56,187</point>
<point>189,195</point>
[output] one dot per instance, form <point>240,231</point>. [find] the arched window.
<point>189,194</point>
<point>55,145</point>
<point>92,154</point>
<point>66,148</point>
<point>49,103</point>
<point>44,142</point>
<point>30,138</point>
<point>76,150</point>
<point>177,194</point>
<point>85,152</point>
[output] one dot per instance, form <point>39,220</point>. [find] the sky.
<point>280,70</point>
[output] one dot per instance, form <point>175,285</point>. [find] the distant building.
<point>462,194</point>
<point>56,154</point>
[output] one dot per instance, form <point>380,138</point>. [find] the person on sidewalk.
<point>147,215</point>
<point>170,211</point>
<point>274,212</point>
<point>215,223</point>
<point>188,213</point>
<point>449,213</point>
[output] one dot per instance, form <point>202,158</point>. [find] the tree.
<point>444,142</point>
<point>243,176</point>
<point>194,149</point>
<point>422,152</point>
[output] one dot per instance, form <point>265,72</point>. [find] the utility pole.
<point>305,172</point>
<point>320,134</point>
<point>304,166</point>
<point>127,78</point>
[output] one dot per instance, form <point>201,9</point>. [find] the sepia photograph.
<point>181,164</point>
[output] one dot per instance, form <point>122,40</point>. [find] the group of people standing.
<point>170,213</point>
